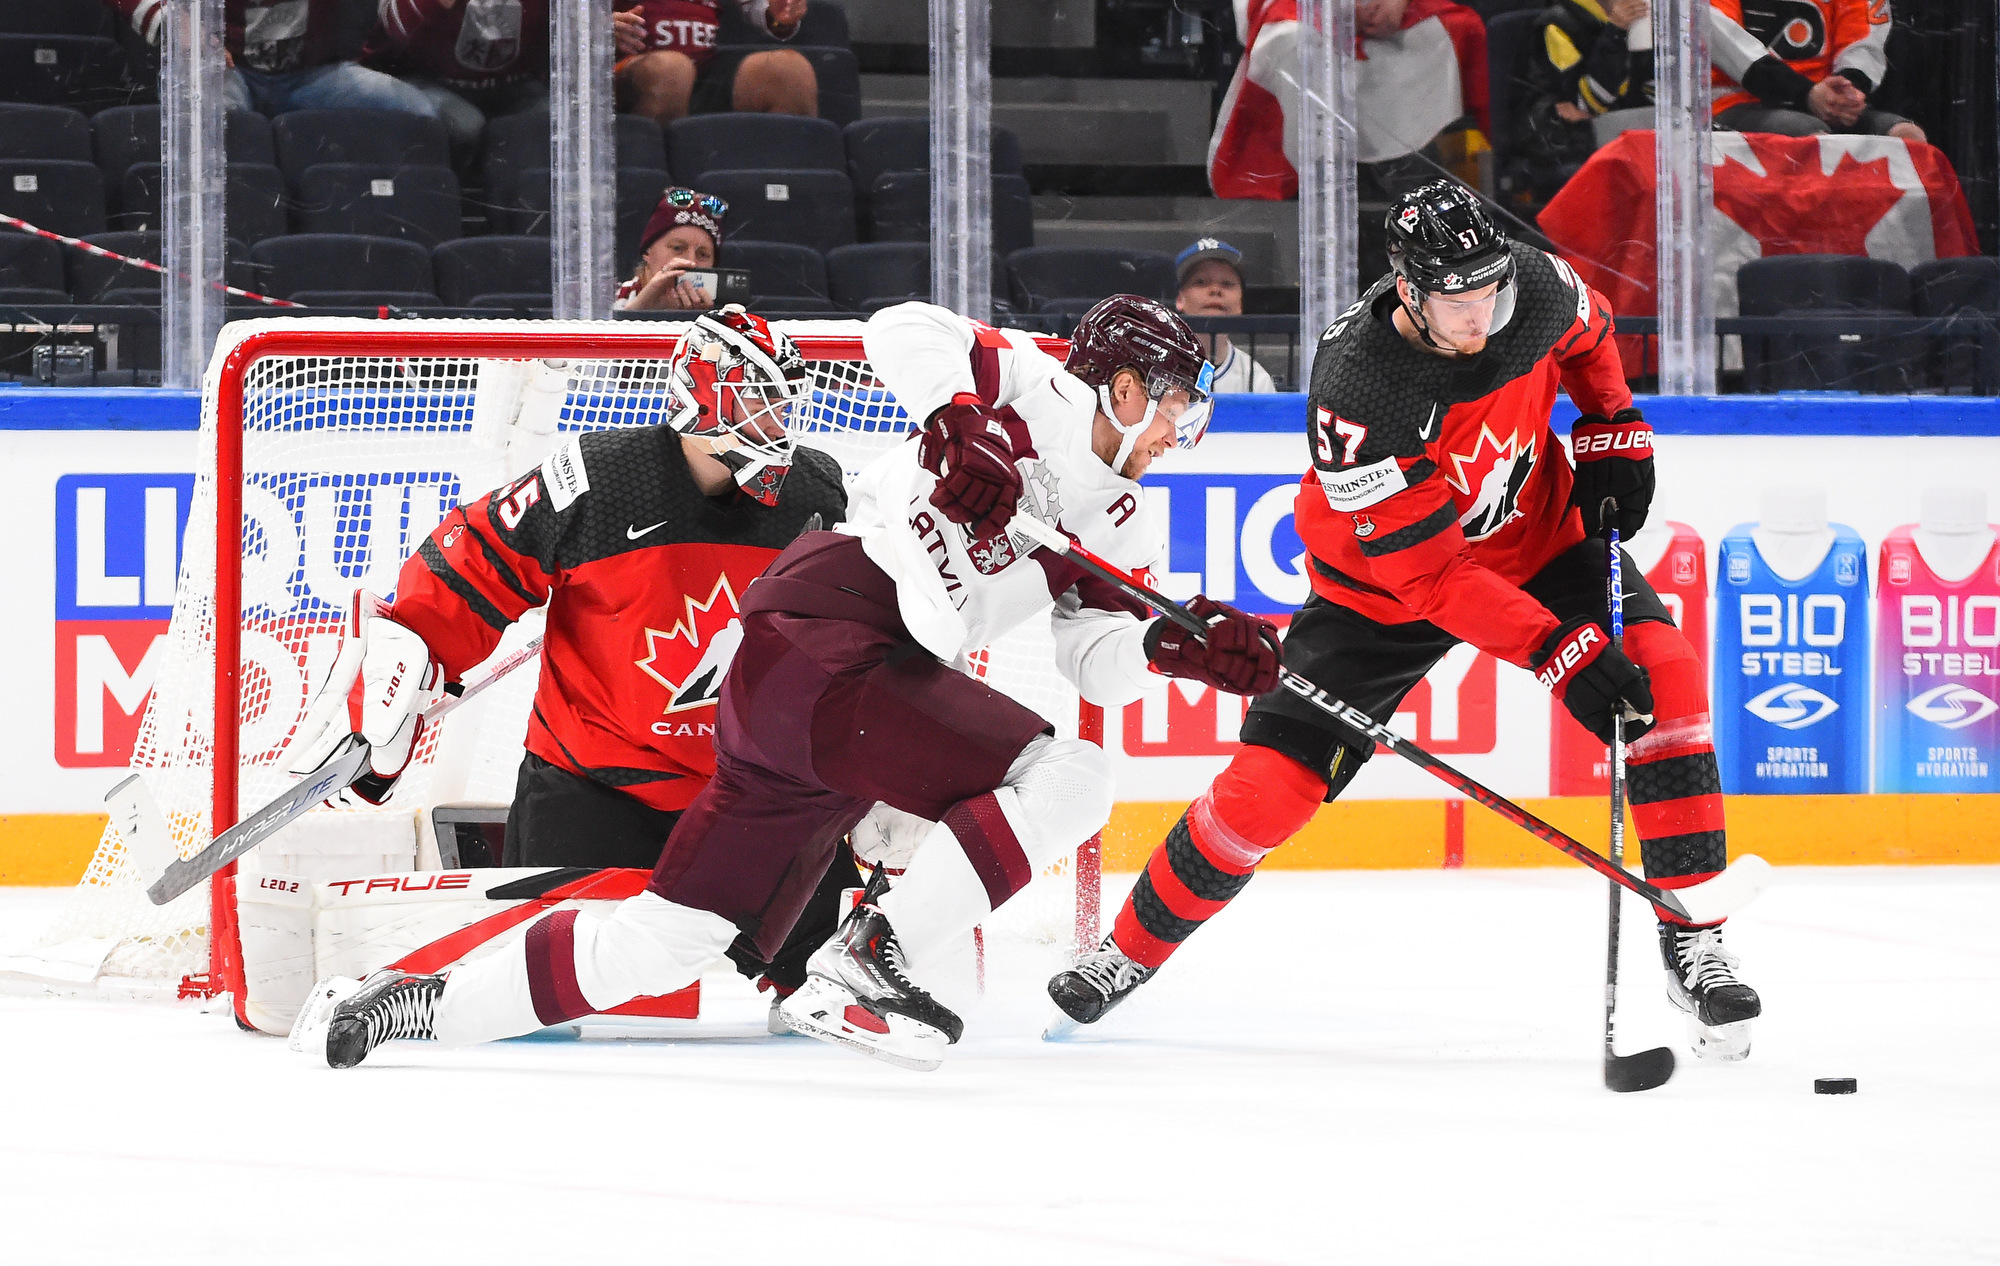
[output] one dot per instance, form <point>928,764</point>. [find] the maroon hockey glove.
<point>1614,458</point>
<point>1579,667</point>
<point>966,445</point>
<point>1239,653</point>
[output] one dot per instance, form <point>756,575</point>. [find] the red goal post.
<point>273,378</point>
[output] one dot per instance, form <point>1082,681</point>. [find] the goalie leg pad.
<point>1057,794</point>
<point>571,964</point>
<point>1261,800</point>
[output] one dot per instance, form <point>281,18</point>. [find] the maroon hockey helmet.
<point>1128,332</point>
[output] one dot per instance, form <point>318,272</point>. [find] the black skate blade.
<point>1647,1070</point>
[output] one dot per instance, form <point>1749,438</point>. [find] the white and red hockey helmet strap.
<point>732,384</point>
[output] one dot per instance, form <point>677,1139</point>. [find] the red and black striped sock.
<point>1674,783</point>
<point>1259,802</point>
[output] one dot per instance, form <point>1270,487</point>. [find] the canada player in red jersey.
<point>1439,509</point>
<point>641,543</point>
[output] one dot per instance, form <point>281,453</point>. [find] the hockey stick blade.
<point>348,763</point>
<point>149,842</point>
<point>1705,902</point>
<point>1647,1070</point>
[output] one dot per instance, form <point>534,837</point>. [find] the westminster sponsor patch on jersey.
<point>1363,486</point>
<point>565,475</point>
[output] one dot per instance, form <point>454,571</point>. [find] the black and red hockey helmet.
<point>1442,241</point>
<point>1142,335</point>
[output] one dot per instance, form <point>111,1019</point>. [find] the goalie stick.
<point>1647,1069</point>
<point>347,763</point>
<point>1710,901</point>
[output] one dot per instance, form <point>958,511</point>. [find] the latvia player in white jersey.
<point>848,689</point>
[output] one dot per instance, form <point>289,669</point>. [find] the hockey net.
<point>329,449</point>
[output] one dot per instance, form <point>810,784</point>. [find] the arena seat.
<point>418,204</point>
<point>253,194</point>
<point>867,271</point>
<point>704,143</point>
<point>527,301</point>
<point>900,210</point>
<point>93,279</point>
<point>82,70</point>
<point>515,143</point>
<point>638,193</point>
<point>31,296</point>
<point>307,138</point>
<point>43,131</point>
<point>474,268</point>
<point>125,135</point>
<point>779,270</point>
<point>811,208</point>
<point>874,146</point>
<point>1827,355</point>
<point>338,261</point>
<point>57,17</point>
<point>1507,38</point>
<point>62,196</point>
<point>1047,275</point>
<point>29,262</point>
<point>1964,361</point>
<point>366,298</point>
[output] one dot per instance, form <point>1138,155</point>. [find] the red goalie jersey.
<point>1438,486</point>
<point>642,575</point>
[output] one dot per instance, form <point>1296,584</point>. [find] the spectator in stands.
<point>1412,44</point>
<point>1584,59</point>
<point>285,55</point>
<point>684,234</point>
<point>679,72</point>
<point>1799,74</point>
<point>1210,276</point>
<point>474,59</point>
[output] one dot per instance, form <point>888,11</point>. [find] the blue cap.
<point>1204,249</point>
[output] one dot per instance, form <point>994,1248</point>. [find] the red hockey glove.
<point>1239,653</point>
<point>1614,458</point>
<point>967,447</point>
<point>1579,667</point>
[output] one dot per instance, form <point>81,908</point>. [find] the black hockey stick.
<point>1647,1069</point>
<point>1707,902</point>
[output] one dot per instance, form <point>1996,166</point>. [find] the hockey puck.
<point>1833,1086</point>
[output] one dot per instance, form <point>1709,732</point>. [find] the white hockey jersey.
<point>958,594</point>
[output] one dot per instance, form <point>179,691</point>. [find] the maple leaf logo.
<point>1492,474</point>
<point>1794,207</point>
<point>691,658</point>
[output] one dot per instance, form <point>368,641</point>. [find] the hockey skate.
<point>1100,981</point>
<point>857,994</point>
<point>344,1019</point>
<point>1701,981</point>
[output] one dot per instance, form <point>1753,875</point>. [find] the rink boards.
<point>78,671</point>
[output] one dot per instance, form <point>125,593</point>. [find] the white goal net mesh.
<point>348,462</point>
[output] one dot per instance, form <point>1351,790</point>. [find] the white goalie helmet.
<point>732,384</point>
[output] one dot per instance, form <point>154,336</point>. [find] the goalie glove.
<point>968,447</point>
<point>382,679</point>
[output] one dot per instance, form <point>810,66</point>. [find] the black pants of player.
<point>1372,665</point>
<point>563,819</point>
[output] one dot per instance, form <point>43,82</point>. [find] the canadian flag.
<point>1408,86</point>
<point>1775,195</point>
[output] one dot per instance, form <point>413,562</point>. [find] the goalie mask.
<point>731,386</point>
<point>1442,242</point>
<point>1127,332</point>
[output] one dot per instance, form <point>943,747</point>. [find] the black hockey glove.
<point>967,446</point>
<point>1240,652</point>
<point>1614,458</point>
<point>1579,666</point>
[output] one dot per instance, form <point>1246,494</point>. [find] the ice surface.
<point>1369,1068</point>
